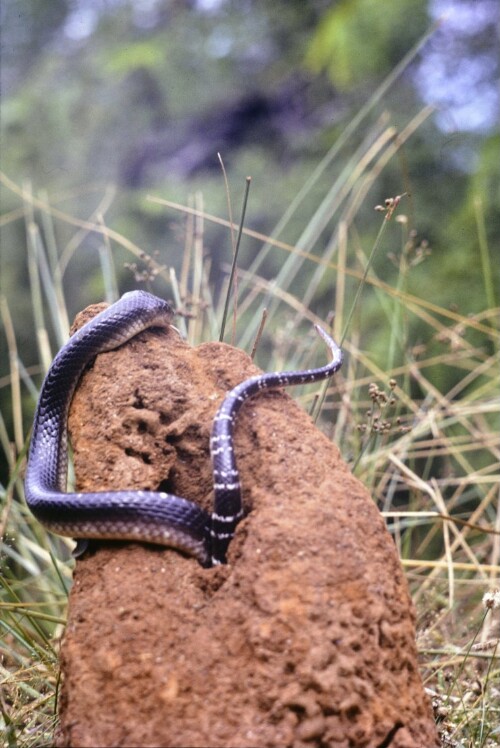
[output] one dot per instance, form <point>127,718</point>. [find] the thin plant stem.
<point>235,259</point>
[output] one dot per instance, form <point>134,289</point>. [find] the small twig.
<point>235,258</point>
<point>259,333</point>
<point>313,405</point>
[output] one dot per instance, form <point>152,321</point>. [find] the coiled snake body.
<point>154,517</point>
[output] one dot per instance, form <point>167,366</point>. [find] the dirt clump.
<point>305,639</point>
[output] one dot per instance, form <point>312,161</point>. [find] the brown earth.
<point>306,638</point>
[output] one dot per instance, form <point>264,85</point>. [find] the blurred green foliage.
<point>358,40</point>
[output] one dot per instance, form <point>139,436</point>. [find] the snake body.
<point>147,516</point>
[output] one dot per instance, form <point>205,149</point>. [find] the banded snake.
<point>147,516</point>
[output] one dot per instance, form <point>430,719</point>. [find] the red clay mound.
<point>306,638</point>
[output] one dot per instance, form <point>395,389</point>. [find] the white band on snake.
<point>147,516</point>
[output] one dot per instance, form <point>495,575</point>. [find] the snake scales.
<point>154,517</point>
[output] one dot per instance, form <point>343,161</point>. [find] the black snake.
<point>153,517</point>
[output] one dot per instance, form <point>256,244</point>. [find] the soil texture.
<point>305,639</point>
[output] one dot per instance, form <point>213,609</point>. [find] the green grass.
<point>415,412</point>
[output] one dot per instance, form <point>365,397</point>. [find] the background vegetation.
<point>122,121</point>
